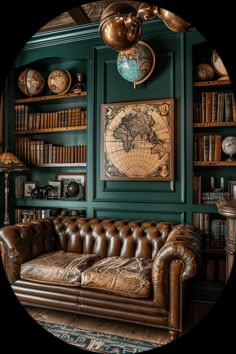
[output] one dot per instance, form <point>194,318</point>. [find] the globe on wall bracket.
<point>137,63</point>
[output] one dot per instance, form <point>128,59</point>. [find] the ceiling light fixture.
<point>121,24</point>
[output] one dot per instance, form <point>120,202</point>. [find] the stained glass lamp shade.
<point>9,163</point>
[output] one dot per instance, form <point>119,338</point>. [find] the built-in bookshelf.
<point>40,152</point>
<point>214,118</point>
<point>50,138</point>
<point>29,214</point>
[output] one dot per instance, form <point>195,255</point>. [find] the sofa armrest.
<point>21,242</point>
<point>179,258</point>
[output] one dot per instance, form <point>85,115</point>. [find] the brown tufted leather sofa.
<point>133,271</point>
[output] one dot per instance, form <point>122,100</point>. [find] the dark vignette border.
<point>19,21</point>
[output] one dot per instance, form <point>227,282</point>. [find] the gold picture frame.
<point>29,186</point>
<point>137,140</point>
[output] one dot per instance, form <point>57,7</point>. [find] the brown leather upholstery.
<point>126,276</point>
<point>173,251</point>
<point>57,267</point>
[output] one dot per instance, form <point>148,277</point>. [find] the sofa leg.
<point>173,334</point>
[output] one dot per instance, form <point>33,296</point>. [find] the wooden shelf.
<point>74,164</point>
<point>214,124</point>
<point>214,163</point>
<point>49,98</point>
<point>212,83</point>
<point>51,203</point>
<point>49,130</point>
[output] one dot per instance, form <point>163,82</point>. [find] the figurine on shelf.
<point>41,192</point>
<point>80,85</point>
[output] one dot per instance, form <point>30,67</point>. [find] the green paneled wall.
<point>164,201</point>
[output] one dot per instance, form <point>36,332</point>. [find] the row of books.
<point>214,270</point>
<point>38,152</point>
<point>214,229</point>
<point>207,147</point>
<point>217,189</point>
<point>29,214</point>
<point>214,107</point>
<point>72,117</point>
<point>19,185</point>
<point>25,215</point>
<point>212,197</point>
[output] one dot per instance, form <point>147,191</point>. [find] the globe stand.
<point>231,158</point>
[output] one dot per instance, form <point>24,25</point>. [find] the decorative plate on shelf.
<point>218,65</point>
<point>59,81</point>
<point>203,72</point>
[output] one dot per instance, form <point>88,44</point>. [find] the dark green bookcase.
<point>211,281</point>
<point>80,49</point>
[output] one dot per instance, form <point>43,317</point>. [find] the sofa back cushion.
<point>108,237</point>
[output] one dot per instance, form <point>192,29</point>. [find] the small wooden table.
<point>227,208</point>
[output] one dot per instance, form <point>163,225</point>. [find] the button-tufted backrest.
<point>39,235</point>
<point>22,242</point>
<point>108,237</point>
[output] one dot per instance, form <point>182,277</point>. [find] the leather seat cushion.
<point>120,275</point>
<point>57,268</point>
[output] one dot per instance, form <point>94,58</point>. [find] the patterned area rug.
<point>97,342</point>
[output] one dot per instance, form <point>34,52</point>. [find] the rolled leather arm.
<point>20,243</point>
<point>12,251</point>
<point>183,245</point>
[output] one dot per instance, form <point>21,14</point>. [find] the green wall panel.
<point>167,81</point>
<point>81,49</point>
<point>137,214</point>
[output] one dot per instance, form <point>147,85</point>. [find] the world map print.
<point>138,140</point>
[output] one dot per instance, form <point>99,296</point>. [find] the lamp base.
<point>6,220</point>
<point>6,213</point>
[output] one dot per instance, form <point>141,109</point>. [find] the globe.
<point>31,82</point>
<point>229,147</point>
<point>59,81</point>
<point>137,63</point>
<point>73,188</point>
<point>203,72</point>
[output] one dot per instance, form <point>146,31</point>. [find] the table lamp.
<point>9,163</point>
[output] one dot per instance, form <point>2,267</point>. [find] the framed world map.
<point>137,140</point>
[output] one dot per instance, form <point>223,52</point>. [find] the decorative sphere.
<point>174,22</point>
<point>120,28</point>
<point>59,81</point>
<point>73,188</point>
<point>31,82</point>
<point>137,63</point>
<point>203,72</point>
<point>229,146</point>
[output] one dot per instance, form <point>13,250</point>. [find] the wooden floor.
<point>145,333</point>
